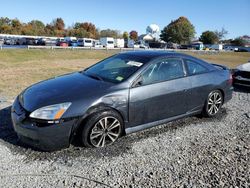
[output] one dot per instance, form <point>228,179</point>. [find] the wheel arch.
<point>222,92</point>
<point>90,112</point>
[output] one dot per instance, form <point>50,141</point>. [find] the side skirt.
<point>153,124</point>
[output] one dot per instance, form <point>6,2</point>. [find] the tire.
<point>101,129</point>
<point>213,103</point>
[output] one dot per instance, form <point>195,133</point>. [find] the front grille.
<point>243,82</point>
<point>243,74</point>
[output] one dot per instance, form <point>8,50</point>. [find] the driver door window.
<point>165,69</point>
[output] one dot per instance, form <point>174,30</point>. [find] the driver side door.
<point>159,93</point>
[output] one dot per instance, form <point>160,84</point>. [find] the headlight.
<point>52,112</point>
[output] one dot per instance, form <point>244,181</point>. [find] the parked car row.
<point>106,42</point>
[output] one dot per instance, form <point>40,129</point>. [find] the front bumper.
<point>242,82</point>
<point>47,138</point>
<point>241,78</point>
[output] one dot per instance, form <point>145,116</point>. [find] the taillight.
<point>230,81</point>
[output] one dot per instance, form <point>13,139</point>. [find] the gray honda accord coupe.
<point>122,94</point>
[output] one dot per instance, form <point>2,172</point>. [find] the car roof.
<point>151,54</point>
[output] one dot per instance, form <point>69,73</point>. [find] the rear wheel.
<point>102,129</point>
<point>213,103</point>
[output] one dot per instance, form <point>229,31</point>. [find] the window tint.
<point>194,68</point>
<point>164,70</point>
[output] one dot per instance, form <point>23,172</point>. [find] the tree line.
<point>57,28</point>
<point>180,31</point>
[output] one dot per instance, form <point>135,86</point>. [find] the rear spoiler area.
<point>220,67</point>
<point>230,71</point>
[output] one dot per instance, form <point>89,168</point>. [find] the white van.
<point>97,44</point>
<point>119,43</point>
<point>216,47</point>
<point>107,42</point>
<point>86,42</point>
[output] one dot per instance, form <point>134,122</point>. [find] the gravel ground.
<point>193,152</point>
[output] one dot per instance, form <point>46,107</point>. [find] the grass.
<point>21,68</point>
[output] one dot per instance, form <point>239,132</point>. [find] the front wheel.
<point>102,129</point>
<point>213,103</point>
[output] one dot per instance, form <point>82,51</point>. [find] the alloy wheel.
<point>105,131</point>
<point>214,103</point>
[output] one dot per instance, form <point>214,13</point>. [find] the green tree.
<point>35,27</point>
<point>80,33</point>
<point>5,25</point>
<point>56,28</point>
<point>49,30</point>
<point>5,21</point>
<point>16,26</point>
<point>209,37</point>
<point>85,29</point>
<point>178,31</point>
<point>58,24</point>
<point>133,35</point>
<point>125,35</point>
<point>109,33</point>
<point>239,42</point>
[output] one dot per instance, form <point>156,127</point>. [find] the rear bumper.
<point>48,138</point>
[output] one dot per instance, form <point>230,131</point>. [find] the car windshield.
<point>116,68</point>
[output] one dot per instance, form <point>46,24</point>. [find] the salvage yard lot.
<point>192,152</point>
<point>21,68</point>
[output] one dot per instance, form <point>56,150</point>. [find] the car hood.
<point>244,67</point>
<point>67,88</point>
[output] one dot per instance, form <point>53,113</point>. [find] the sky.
<point>127,15</point>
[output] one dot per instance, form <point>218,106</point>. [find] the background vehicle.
<point>50,42</point>
<point>41,41</point>
<point>30,41</point>
<point>58,40</point>
<point>97,44</point>
<point>72,43</point>
<point>86,42</point>
<point>107,42</point>
<point>1,41</point>
<point>9,41</point>
<point>119,43</point>
<point>216,47</point>
<point>21,41</point>
<point>63,43</point>
<point>70,39</point>
<point>133,44</point>
<point>241,75</point>
<point>125,93</point>
<point>171,45</point>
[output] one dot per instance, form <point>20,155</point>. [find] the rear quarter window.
<point>194,67</point>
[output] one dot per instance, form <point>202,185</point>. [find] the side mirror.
<point>138,82</point>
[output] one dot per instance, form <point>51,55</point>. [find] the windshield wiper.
<point>94,76</point>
